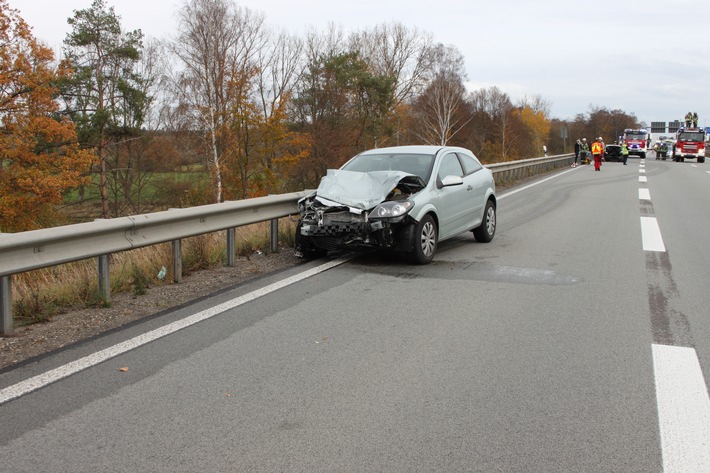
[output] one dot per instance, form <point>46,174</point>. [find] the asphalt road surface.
<point>578,340</point>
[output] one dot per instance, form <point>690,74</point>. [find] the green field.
<point>155,188</point>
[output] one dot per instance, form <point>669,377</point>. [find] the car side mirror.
<point>451,181</point>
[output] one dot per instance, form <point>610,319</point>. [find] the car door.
<point>453,208</point>
<point>477,182</point>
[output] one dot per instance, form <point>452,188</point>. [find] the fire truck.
<point>636,141</point>
<point>689,143</point>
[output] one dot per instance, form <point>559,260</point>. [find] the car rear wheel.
<point>487,230</point>
<point>425,241</point>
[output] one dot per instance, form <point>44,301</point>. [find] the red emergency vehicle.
<point>689,143</point>
<point>636,141</point>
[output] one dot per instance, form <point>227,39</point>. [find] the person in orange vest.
<point>597,151</point>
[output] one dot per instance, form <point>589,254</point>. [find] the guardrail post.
<point>231,247</point>
<point>6,305</point>
<point>274,235</point>
<point>104,281</point>
<point>177,261</point>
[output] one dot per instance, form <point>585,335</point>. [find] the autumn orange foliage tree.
<point>538,127</point>
<point>39,156</point>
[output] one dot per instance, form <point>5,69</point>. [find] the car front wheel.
<point>425,240</point>
<point>487,230</point>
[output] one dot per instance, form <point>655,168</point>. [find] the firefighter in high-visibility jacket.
<point>597,151</point>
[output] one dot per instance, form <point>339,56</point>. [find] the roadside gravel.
<point>61,330</point>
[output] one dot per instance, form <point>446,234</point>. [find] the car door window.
<point>470,165</point>
<point>450,166</point>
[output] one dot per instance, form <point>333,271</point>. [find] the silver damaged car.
<point>405,199</point>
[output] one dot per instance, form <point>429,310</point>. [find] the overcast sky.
<point>647,58</point>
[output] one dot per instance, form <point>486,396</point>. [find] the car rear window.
<point>470,165</point>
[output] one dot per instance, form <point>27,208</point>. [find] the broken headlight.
<point>391,209</point>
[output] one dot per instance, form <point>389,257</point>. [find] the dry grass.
<point>37,295</point>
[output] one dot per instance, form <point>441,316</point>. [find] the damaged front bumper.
<point>341,229</point>
<point>354,210</point>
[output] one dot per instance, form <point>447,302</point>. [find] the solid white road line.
<point>644,194</point>
<point>39,381</point>
<point>683,409</point>
<point>651,235</point>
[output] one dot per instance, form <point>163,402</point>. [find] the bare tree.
<point>439,108</point>
<point>495,109</point>
<point>396,51</point>
<point>405,55</point>
<point>437,111</point>
<point>328,44</point>
<point>314,110</point>
<point>536,103</point>
<point>280,66</point>
<point>217,45</point>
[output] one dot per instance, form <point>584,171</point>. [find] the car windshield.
<point>418,164</point>
<point>691,136</point>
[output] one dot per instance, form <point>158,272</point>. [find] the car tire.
<point>425,238</point>
<point>701,159</point>
<point>487,229</point>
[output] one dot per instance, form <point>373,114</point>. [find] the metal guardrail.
<point>509,172</point>
<point>26,251</point>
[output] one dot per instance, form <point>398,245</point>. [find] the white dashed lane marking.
<point>651,235</point>
<point>681,393</point>
<point>683,409</point>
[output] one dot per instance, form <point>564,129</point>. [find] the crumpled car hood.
<point>361,190</point>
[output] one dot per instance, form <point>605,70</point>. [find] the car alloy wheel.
<point>487,230</point>
<point>425,241</point>
<point>428,237</point>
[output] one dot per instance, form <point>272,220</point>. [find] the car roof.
<point>415,149</point>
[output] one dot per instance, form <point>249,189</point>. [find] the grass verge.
<point>40,294</point>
